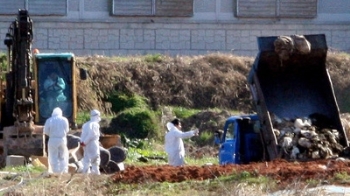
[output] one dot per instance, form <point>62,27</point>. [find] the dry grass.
<point>201,82</point>
<point>211,81</point>
<point>30,184</point>
<point>215,80</point>
<point>339,69</point>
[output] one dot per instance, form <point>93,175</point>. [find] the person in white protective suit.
<point>54,87</point>
<point>174,146</point>
<point>57,128</point>
<point>90,141</point>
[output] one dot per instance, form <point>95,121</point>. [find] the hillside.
<point>211,81</point>
<point>215,80</point>
<point>201,82</point>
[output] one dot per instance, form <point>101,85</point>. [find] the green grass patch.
<point>153,58</point>
<point>82,117</point>
<point>202,161</point>
<point>24,168</point>
<point>342,177</point>
<point>183,113</point>
<point>205,138</point>
<point>312,182</point>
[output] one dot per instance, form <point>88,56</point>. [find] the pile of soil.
<point>211,81</point>
<point>283,172</point>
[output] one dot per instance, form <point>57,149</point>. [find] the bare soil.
<point>283,172</point>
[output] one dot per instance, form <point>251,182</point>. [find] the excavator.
<point>26,100</point>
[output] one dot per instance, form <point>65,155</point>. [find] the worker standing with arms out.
<point>174,146</point>
<point>57,128</point>
<point>90,141</point>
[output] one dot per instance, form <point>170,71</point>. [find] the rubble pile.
<point>301,139</point>
<point>285,46</point>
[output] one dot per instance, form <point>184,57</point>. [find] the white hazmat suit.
<point>90,140</point>
<point>174,146</point>
<point>57,127</point>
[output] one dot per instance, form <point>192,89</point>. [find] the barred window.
<point>276,8</point>
<point>175,8</point>
<point>34,7</point>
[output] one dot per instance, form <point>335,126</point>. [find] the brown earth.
<point>283,172</point>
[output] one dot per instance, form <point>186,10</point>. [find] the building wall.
<point>88,28</point>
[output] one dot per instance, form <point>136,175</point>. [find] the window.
<point>172,8</point>
<point>34,7</point>
<point>230,131</point>
<point>276,8</point>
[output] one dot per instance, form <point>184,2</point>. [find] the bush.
<point>205,138</point>
<point>121,101</point>
<point>135,123</point>
<point>82,117</point>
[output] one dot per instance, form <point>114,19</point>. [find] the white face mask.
<point>96,118</point>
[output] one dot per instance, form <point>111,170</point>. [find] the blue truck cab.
<point>241,142</point>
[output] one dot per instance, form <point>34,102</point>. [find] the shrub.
<point>205,138</point>
<point>82,117</point>
<point>135,123</point>
<point>121,101</point>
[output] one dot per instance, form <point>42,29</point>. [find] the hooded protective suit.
<point>90,139</point>
<point>54,87</point>
<point>174,146</point>
<point>57,127</point>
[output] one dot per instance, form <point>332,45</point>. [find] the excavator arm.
<point>19,94</point>
<point>25,108</point>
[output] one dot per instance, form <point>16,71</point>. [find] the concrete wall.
<point>89,28</point>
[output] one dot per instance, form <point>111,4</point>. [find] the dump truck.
<point>25,101</point>
<point>297,116</point>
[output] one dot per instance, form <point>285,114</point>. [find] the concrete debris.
<point>300,139</point>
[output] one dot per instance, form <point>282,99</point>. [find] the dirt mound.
<point>283,172</point>
<point>211,81</point>
<point>215,80</point>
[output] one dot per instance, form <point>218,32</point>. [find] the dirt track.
<point>281,171</point>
